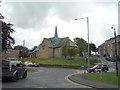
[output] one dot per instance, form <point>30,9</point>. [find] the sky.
<point>35,20</point>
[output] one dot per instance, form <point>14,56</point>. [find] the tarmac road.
<point>45,78</point>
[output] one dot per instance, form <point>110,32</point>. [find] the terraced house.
<point>108,47</point>
<point>52,47</point>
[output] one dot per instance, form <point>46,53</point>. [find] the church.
<point>52,47</point>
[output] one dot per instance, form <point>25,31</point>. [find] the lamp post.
<point>113,27</point>
<point>88,37</point>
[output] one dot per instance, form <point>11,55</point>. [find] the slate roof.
<point>111,40</point>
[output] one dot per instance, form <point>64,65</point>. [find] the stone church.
<point>52,47</point>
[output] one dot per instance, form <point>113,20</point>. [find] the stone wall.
<point>10,54</point>
<point>44,51</point>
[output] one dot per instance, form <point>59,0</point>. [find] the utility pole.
<point>88,38</point>
<point>113,27</point>
<point>23,43</point>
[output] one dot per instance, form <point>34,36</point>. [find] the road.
<point>45,78</point>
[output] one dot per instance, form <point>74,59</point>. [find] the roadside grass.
<point>107,77</point>
<point>76,61</point>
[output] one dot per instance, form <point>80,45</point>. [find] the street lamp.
<point>88,37</point>
<point>113,27</point>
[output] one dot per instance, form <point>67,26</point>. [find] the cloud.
<point>35,20</point>
<point>28,14</point>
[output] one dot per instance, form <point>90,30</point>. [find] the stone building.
<point>52,47</point>
<point>10,53</point>
<point>108,47</point>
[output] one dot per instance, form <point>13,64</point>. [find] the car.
<point>13,69</point>
<point>13,59</point>
<point>110,58</point>
<point>100,67</point>
<point>28,63</point>
<point>36,65</point>
<point>107,57</point>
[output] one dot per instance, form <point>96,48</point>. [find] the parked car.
<point>100,67</point>
<point>107,57</point>
<point>36,65</point>
<point>28,63</point>
<point>110,58</point>
<point>13,69</point>
<point>13,59</point>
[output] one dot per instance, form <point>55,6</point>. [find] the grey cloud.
<point>69,11</point>
<point>31,14</point>
<point>28,14</point>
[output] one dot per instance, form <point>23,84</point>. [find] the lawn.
<point>76,61</point>
<point>107,77</point>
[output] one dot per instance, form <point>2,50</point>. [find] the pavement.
<point>79,78</point>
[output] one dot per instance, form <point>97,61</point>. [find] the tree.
<point>69,51</point>
<point>82,45</point>
<point>7,39</point>
<point>64,51</point>
<point>24,52</point>
<point>82,48</point>
<point>93,47</point>
<point>72,51</point>
<point>78,40</point>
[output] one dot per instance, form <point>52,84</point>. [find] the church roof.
<point>56,42</point>
<point>61,42</point>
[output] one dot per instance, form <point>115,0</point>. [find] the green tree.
<point>64,52</point>
<point>78,40</point>
<point>72,51</point>
<point>82,45</point>
<point>93,47</point>
<point>24,52</point>
<point>7,39</point>
<point>82,48</point>
<point>69,51</point>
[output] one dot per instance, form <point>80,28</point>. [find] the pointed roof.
<point>56,34</point>
<point>56,42</point>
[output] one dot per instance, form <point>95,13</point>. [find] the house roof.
<point>111,40</point>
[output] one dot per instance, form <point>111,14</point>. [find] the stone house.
<point>108,47</point>
<point>52,47</point>
<point>10,53</point>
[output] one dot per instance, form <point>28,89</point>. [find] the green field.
<point>107,77</point>
<point>76,61</point>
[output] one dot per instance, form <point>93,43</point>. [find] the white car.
<point>28,63</point>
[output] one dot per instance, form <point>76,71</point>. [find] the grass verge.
<point>107,77</point>
<point>76,61</point>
